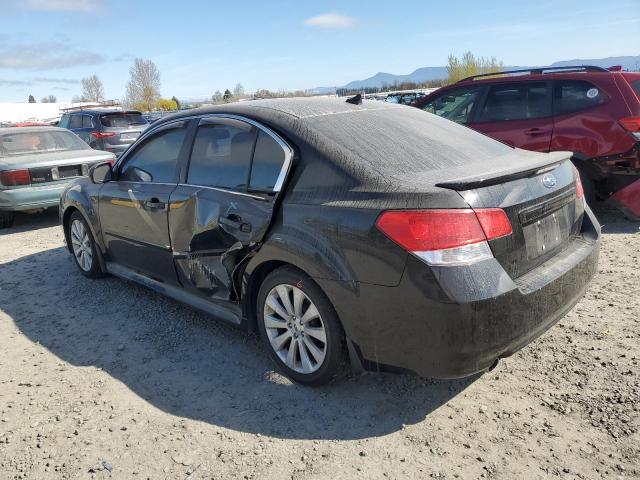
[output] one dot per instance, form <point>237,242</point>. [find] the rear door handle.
<point>234,220</point>
<point>535,131</point>
<point>154,204</point>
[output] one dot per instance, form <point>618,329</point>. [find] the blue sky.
<point>47,46</point>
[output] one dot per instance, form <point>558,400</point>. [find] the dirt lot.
<point>105,379</point>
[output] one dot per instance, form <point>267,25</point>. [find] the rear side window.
<point>574,95</point>
<point>268,161</point>
<point>157,159</point>
<point>221,156</point>
<point>75,121</point>
<point>636,87</point>
<point>122,120</point>
<point>516,101</point>
<point>455,105</point>
<point>87,121</point>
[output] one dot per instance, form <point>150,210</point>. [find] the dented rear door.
<point>221,210</point>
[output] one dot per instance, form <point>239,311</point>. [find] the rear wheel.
<point>83,246</point>
<point>300,327</point>
<point>6,219</point>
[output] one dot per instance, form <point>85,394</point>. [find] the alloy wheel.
<point>295,328</point>
<point>81,244</point>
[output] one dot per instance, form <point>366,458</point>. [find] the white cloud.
<point>64,5</point>
<point>45,56</point>
<point>330,20</point>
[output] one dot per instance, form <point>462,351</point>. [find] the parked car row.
<point>343,232</point>
<point>590,111</point>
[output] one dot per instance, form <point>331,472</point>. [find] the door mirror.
<point>101,173</point>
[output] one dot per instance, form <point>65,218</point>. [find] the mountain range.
<point>432,73</point>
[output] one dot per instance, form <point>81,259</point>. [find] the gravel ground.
<point>105,379</point>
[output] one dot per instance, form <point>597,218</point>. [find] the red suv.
<point>591,111</point>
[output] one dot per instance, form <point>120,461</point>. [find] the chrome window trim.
<point>225,190</point>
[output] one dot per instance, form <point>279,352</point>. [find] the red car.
<point>591,111</point>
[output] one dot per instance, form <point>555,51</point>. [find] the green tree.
<point>32,99</point>
<point>228,96</point>
<point>177,102</point>
<point>469,65</point>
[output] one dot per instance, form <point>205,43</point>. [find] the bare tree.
<point>238,90</point>
<point>92,89</point>
<point>49,99</point>
<point>217,97</point>
<point>143,89</point>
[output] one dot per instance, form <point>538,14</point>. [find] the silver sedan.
<point>35,165</point>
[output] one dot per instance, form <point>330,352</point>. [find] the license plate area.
<point>67,171</point>
<point>547,233</point>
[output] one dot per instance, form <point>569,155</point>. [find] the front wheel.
<point>6,219</point>
<point>300,327</point>
<point>83,246</point>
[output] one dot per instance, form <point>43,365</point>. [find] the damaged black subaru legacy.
<point>368,232</point>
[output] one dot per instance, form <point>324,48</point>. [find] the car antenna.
<point>355,100</point>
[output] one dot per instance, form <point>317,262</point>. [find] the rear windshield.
<point>28,143</point>
<point>122,119</point>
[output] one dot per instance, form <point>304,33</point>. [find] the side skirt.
<point>176,293</point>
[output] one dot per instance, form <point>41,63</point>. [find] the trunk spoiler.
<point>551,161</point>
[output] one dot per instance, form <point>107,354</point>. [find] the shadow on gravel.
<point>26,222</point>
<point>613,221</point>
<point>190,365</point>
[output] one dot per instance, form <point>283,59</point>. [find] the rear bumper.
<point>27,198</point>
<point>456,321</point>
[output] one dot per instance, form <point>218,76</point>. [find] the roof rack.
<point>541,70</point>
<point>108,104</point>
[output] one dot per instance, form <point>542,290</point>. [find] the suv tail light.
<point>446,237</point>
<point>579,188</point>
<point>103,134</point>
<point>631,124</point>
<point>14,178</point>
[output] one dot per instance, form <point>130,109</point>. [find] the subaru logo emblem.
<point>548,180</point>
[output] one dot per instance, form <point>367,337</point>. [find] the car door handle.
<point>154,204</point>
<point>535,131</point>
<point>234,220</point>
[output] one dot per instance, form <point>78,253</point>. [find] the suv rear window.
<point>122,119</point>
<point>516,101</point>
<point>574,95</point>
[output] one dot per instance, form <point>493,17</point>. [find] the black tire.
<point>6,219</point>
<point>91,269</point>
<point>334,362</point>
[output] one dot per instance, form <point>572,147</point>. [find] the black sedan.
<point>368,232</point>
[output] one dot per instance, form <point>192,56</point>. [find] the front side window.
<point>268,161</point>
<point>574,95</point>
<point>455,105</point>
<point>221,156</point>
<point>156,159</point>
<point>516,101</point>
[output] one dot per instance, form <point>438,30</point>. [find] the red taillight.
<point>631,124</point>
<point>14,178</point>
<point>579,189</point>
<point>427,230</point>
<point>103,134</point>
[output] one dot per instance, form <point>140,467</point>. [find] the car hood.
<point>54,158</point>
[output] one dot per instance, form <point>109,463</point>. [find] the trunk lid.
<point>542,207</point>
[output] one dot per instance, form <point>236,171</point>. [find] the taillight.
<point>445,237</point>
<point>103,134</point>
<point>632,124</point>
<point>579,189</point>
<point>14,178</point>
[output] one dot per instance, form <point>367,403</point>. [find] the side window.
<point>75,121</point>
<point>156,159</point>
<point>516,101</point>
<point>221,156</point>
<point>268,160</point>
<point>87,121</point>
<point>455,105</point>
<point>574,95</point>
<point>64,121</point>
